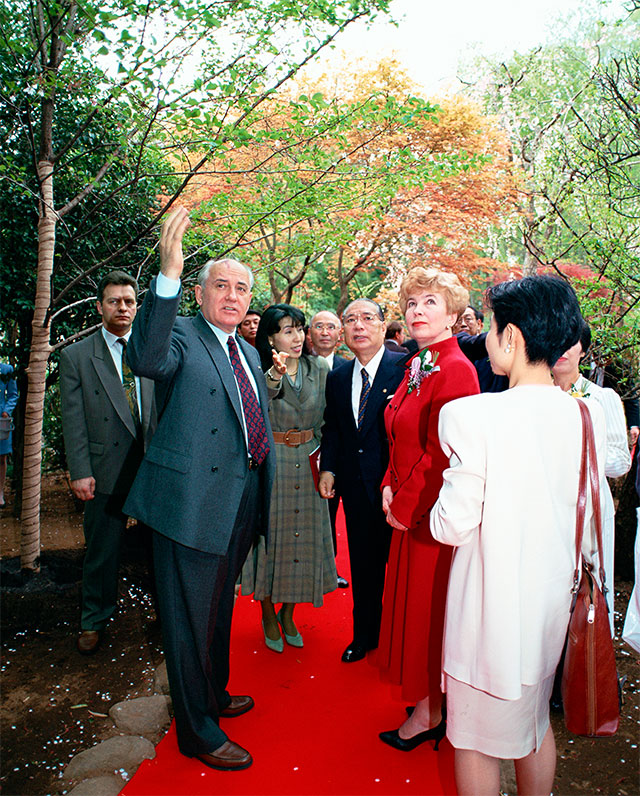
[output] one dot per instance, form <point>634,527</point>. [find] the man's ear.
<point>198,292</point>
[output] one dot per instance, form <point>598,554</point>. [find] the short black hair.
<point>585,337</point>
<point>546,311</point>
<point>270,324</point>
<point>116,278</point>
<point>478,313</point>
<point>253,311</point>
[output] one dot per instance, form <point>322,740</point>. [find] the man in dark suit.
<point>394,337</point>
<point>205,483</point>
<point>325,330</point>
<point>353,458</point>
<point>108,417</point>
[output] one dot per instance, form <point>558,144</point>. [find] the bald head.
<point>325,330</point>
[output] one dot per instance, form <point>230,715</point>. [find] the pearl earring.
<point>507,350</point>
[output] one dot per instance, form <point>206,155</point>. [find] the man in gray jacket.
<point>205,483</point>
<point>108,416</point>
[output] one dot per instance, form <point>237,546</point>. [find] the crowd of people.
<point>234,434</point>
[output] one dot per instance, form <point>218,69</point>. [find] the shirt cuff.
<point>166,287</point>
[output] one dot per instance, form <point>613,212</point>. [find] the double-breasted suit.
<point>358,459</point>
<point>198,490</point>
<point>101,441</point>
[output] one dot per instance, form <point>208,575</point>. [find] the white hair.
<point>206,268</point>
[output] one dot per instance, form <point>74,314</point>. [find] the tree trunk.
<point>36,374</point>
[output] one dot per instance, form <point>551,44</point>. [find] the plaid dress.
<point>298,564</point>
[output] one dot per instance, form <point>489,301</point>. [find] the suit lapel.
<point>344,375</point>
<point>257,373</point>
<point>380,391</point>
<point>147,389</point>
<point>105,369</point>
<point>221,362</point>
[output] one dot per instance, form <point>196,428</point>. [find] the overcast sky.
<point>434,34</point>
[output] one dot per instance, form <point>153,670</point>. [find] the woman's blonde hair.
<point>420,279</point>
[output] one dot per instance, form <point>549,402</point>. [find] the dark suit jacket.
<point>474,347</point>
<point>352,455</point>
<point>99,432</point>
<point>391,345</point>
<point>191,481</point>
<point>339,361</point>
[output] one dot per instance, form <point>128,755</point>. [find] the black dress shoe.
<point>228,757</point>
<point>393,738</point>
<point>343,583</point>
<point>237,706</point>
<point>354,652</point>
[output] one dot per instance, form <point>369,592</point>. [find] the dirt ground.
<point>55,702</point>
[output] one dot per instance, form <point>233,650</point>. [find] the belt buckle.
<point>286,438</point>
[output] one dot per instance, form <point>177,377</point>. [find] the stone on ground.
<point>98,786</point>
<point>122,754</point>
<point>161,679</point>
<point>141,716</point>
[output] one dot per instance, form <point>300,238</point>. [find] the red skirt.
<point>409,653</point>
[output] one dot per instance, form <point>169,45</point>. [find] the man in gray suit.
<point>205,483</point>
<point>107,418</point>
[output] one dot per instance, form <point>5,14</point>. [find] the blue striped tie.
<point>364,396</point>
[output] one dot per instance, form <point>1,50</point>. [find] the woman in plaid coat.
<point>297,563</point>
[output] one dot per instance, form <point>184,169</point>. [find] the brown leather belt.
<point>293,437</point>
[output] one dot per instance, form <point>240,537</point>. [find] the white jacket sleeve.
<point>456,515</point>
<point>618,457</point>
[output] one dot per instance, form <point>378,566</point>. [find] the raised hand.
<point>173,229</point>
<point>279,362</point>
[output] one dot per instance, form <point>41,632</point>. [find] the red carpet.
<point>315,726</point>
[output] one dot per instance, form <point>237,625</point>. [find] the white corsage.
<point>421,367</point>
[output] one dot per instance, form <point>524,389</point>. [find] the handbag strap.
<point>588,467</point>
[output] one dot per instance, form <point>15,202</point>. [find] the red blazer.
<point>416,460</point>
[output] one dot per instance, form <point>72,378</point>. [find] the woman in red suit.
<point>410,649</point>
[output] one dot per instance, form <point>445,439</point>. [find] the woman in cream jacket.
<point>508,506</point>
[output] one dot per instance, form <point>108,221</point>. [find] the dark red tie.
<point>256,430</point>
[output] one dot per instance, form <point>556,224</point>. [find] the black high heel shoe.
<point>393,738</point>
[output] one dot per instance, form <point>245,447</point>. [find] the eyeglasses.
<point>330,327</point>
<point>368,318</point>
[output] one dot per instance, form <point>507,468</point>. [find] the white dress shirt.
<point>329,359</point>
<point>356,380</point>
<point>116,350</point>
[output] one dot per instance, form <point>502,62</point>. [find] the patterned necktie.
<point>364,396</point>
<point>253,417</point>
<point>129,384</point>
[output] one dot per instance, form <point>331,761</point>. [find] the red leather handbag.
<point>590,693</point>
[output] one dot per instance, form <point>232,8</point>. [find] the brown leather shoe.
<point>88,642</point>
<point>228,757</point>
<point>237,706</point>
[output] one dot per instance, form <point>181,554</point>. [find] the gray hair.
<point>373,303</point>
<point>206,268</point>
